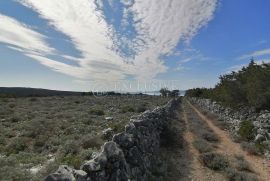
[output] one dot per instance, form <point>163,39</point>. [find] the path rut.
<point>228,147</point>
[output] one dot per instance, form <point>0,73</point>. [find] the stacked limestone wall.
<point>261,121</point>
<point>130,155</point>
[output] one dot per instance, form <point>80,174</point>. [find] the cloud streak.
<point>20,37</point>
<point>160,26</point>
<point>255,54</point>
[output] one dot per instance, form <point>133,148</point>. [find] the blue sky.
<point>132,45</point>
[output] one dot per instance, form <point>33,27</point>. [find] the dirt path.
<point>198,171</point>
<point>227,146</point>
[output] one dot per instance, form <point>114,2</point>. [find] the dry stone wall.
<point>261,121</point>
<point>131,155</point>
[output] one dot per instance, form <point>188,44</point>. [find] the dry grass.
<point>65,127</point>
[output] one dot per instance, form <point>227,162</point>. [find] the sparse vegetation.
<point>68,128</point>
<point>97,112</point>
<point>253,148</point>
<point>235,175</point>
<point>214,161</point>
<point>246,130</point>
<point>202,146</point>
<point>126,109</point>
<point>242,165</point>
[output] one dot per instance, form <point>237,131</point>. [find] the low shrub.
<point>9,170</point>
<point>29,158</point>
<point>33,99</point>
<point>92,142</point>
<point>210,136</point>
<point>2,140</point>
<point>97,112</point>
<point>260,148</point>
<point>12,105</point>
<point>252,148</point>
<point>214,161</point>
<point>126,109</point>
<point>141,108</point>
<point>118,127</point>
<point>87,153</point>
<point>219,122</point>
<point>246,130</point>
<point>202,146</point>
<point>241,164</point>
<point>72,160</point>
<point>17,145</point>
<point>234,175</point>
<point>71,147</point>
<point>14,119</point>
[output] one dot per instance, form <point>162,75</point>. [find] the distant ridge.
<point>26,92</point>
<point>39,92</point>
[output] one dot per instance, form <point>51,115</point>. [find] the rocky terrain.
<point>260,132</point>
<point>132,154</point>
<point>142,138</point>
<point>37,134</point>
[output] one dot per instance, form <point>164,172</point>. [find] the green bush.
<point>246,130</point>
<point>242,165</point>
<point>250,86</point>
<point>71,147</point>
<point>118,127</point>
<point>87,153</point>
<point>253,148</point>
<point>234,175</point>
<point>202,146</point>
<point>97,112</point>
<point>17,145</point>
<point>90,141</point>
<point>210,136</point>
<point>11,171</point>
<point>12,105</point>
<point>2,140</point>
<point>214,161</point>
<point>126,109</point>
<point>29,158</point>
<point>141,108</point>
<point>72,160</point>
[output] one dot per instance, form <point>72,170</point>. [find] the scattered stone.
<point>34,170</point>
<point>261,121</point>
<point>64,173</point>
<point>108,118</point>
<point>131,155</point>
<point>107,133</point>
<point>259,138</point>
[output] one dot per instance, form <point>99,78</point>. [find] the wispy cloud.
<point>159,25</point>
<point>21,37</point>
<point>255,54</point>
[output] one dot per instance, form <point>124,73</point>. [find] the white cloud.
<point>164,23</point>
<point>255,54</point>
<point>127,2</point>
<point>160,26</point>
<point>22,38</point>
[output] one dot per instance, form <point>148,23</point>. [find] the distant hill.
<point>26,92</point>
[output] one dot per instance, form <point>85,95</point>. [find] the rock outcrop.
<point>131,155</point>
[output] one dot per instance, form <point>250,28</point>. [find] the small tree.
<point>164,92</point>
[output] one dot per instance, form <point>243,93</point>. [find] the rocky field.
<point>38,134</point>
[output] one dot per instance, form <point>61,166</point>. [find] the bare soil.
<point>229,148</point>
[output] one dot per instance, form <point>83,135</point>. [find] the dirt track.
<point>230,148</point>
<point>226,146</point>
